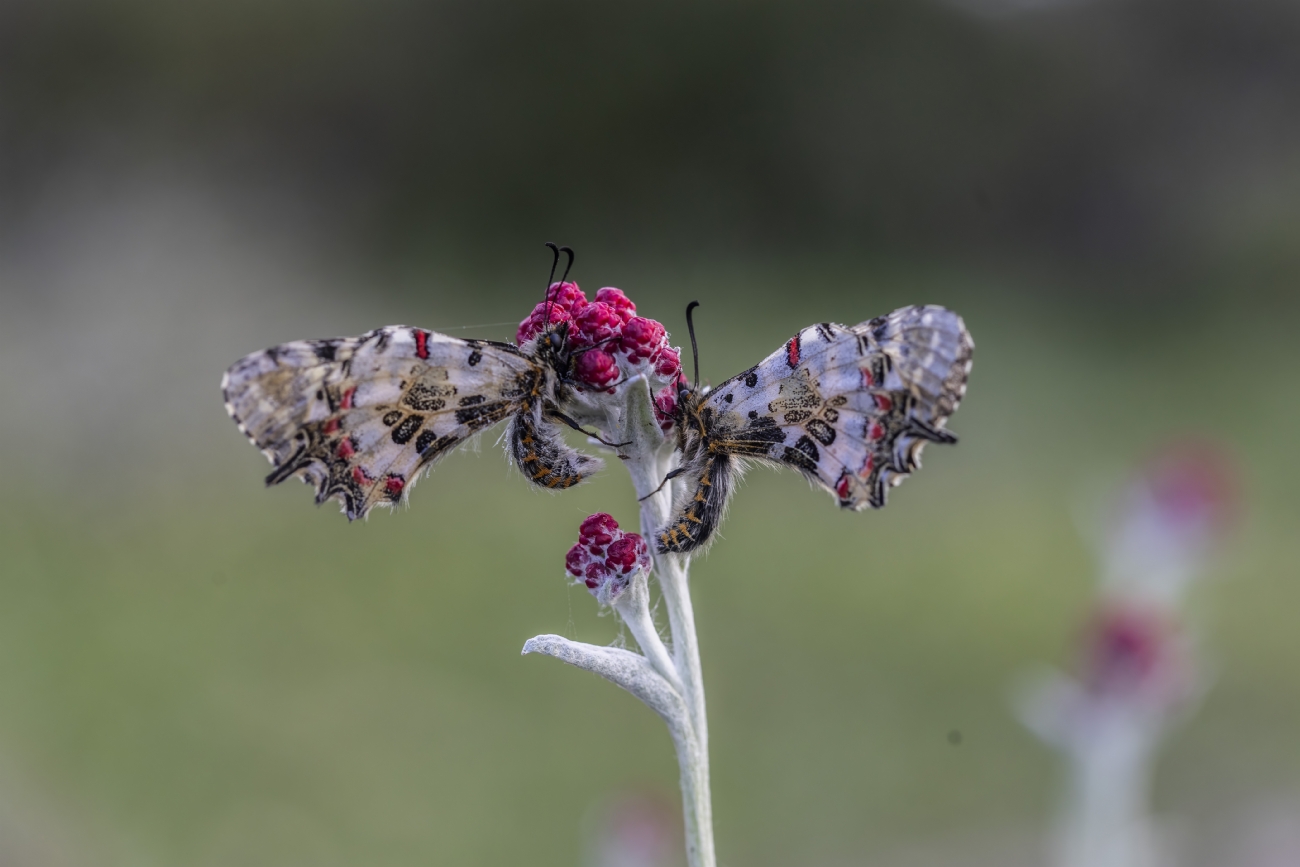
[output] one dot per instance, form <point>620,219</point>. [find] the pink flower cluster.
<point>1124,648</point>
<point>608,340</point>
<point>606,558</point>
<point>666,403</point>
<point>1136,651</point>
<point>1193,486</point>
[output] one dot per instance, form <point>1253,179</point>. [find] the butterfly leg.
<point>561,417</point>
<point>672,474</point>
<point>542,455</point>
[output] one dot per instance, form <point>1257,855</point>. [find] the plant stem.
<point>693,743</point>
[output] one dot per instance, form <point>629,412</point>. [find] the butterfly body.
<point>849,408</point>
<point>360,418</point>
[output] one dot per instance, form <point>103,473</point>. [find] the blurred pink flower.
<point>1136,651</point>
<point>1175,512</point>
<point>639,829</point>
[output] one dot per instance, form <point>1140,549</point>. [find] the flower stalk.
<point>621,403</point>
<point>1139,674</point>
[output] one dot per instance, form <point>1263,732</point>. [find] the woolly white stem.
<point>693,745</point>
<point>634,607</point>
<point>671,685</point>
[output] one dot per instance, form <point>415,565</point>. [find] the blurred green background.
<point>195,670</point>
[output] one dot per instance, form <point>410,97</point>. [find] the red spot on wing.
<point>868,381</point>
<point>876,431</point>
<point>421,343</point>
<point>883,402</point>
<point>345,402</point>
<point>867,466</point>
<point>331,426</point>
<point>360,476</point>
<point>792,351</point>
<point>842,489</point>
<point>394,485</point>
<point>346,448</point>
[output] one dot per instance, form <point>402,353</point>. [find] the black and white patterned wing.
<point>851,408</point>
<point>359,418</point>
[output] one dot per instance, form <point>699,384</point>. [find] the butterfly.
<point>360,418</point>
<point>849,408</point>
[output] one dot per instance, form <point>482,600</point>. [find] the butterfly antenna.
<point>695,350</point>
<point>551,279</point>
<point>569,266</point>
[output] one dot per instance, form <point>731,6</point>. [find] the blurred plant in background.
<point>1139,673</point>
<point>636,828</point>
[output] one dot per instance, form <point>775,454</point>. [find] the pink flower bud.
<point>575,562</point>
<point>615,298</point>
<point>536,321</point>
<point>666,406</point>
<point>668,363</point>
<point>596,368</point>
<point>597,532</point>
<point>596,574</point>
<point>642,338</point>
<point>596,324</point>
<point>628,554</point>
<point>567,296</point>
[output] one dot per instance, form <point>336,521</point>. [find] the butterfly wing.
<point>358,418</point>
<point>850,408</point>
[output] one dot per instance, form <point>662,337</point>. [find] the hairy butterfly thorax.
<point>849,408</point>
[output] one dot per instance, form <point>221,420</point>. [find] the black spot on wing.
<point>472,400</point>
<point>475,357</point>
<point>428,398</point>
<point>430,447</point>
<point>926,431</point>
<point>751,378</point>
<point>325,349</point>
<point>803,454</point>
<point>879,327</point>
<point>753,414</point>
<point>403,432</point>
<point>392,417</point>
<point>754,439</point>
<point>824,330</point>
<point>821,431</point>
<point>483,415</point>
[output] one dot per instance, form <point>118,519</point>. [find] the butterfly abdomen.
<point>699,516</point>
<point>543,457</point>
